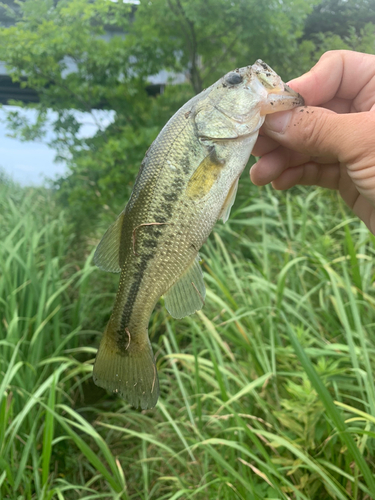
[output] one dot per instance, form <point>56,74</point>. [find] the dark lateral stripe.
<point>122,341</point>
<point>147,248</point>
<point>150,241</point>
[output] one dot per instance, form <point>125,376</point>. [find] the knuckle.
<point>334,54</point>
<point>328,55</point>
<point>358,146</point>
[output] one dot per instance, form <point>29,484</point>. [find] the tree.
<point>341,24</point>
<point>208,38</point>
<point>339,17</point>
<point>63,51</point>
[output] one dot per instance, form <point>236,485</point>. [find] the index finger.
<point>339,73</point>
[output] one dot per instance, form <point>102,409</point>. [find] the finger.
<point>359,200</point>
<point>309,174</point>
<point>341,73</point>
<point>264,145</point>
<point>324,136</point>
<point>331,177</point>
<point>339,105</point>
<point>365,211</point>
<point>272,165</point>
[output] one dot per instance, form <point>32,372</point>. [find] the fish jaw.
<point>281,100</point>
<point>277,96</point>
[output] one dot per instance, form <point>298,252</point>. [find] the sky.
<point>31,163</point>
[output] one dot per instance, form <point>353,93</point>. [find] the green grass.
<point>267,393</point>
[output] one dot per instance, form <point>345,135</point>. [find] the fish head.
<point>237,104</point>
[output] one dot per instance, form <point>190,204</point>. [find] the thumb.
<point>325,136</point>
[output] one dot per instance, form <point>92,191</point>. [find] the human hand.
<point>331,141</point>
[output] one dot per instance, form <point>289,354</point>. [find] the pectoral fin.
<point>204,176</point>
<point>228,203</point>
<point>188,294</point>
<point>107,254</point>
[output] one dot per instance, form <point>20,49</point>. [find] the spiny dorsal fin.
<point>228,203</point>
<point>188,294</point>
<point>107,254</point>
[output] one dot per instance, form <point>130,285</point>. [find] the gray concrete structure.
<point>10,90</point>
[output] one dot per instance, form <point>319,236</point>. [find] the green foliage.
<point>266,393</point>
<point>269,391</point>
<point>81,55</point>
<point>340,17</point>
<point>210,38</point>
<point>342,24</point>
<point>362,41</point>
<point>60,49</point>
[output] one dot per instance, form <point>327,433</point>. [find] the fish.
<point>187,181</point>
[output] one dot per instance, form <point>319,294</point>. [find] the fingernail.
<point>278,122</point>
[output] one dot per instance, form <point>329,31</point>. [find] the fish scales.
<point>165,172</point>
<point>187,181</point>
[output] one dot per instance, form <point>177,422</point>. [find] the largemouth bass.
<point>187,181</point>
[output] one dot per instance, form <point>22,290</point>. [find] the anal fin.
<point>187,295</point>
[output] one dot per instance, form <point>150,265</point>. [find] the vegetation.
<point>61,50</point>
<point>268,392</point>
<point>340,17</point>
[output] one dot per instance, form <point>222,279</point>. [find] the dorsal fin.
<point>188,294</point>
<point>107,254</point>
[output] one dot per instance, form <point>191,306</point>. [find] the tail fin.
<point>131,373</point>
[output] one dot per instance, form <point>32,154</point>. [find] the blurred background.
<point>268,392</point>
<point>89,76</point>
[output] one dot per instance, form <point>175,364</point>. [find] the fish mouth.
<point>281,99</point>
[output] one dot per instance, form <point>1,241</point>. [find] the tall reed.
<point>266,393</point>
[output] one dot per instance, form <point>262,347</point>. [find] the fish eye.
<point>233,79</point>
